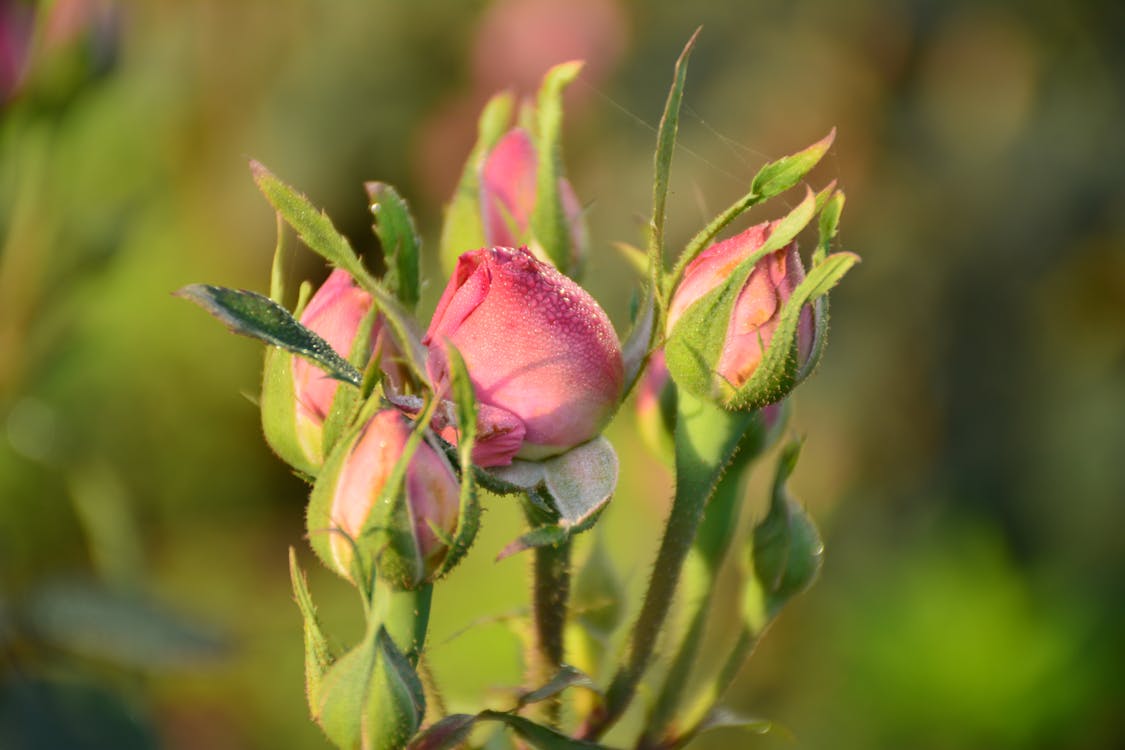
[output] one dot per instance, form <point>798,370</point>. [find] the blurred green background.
<point>965,432</point>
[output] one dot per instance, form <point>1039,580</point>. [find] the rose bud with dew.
<point>543,357</point>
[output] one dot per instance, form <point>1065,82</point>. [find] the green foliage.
<point>371,698</point>
<point>549,224</point>
<point>468,521</point>
<point>317,232</point>
<point>786,550</point>
<point>319,655</point>
<point>251,314</point>
<point>400,242</point>
<point>574,486</point>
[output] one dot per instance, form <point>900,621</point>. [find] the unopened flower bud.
<point>413,526</point>
<point>541,354</point>
<point>748,330</point>
<point>297,395</point>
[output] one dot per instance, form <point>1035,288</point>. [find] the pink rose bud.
<point>508,192</point>
<point>430,491</point>
<point>541,353</point>
<point>296,394</point>
<point>334,313</point>
<point>758,308</point>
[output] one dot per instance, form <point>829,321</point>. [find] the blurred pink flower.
<point>541,353</point>
<point>508,192</point>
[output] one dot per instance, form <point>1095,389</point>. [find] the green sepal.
<point>785,549</point>
<point>398,236</point>
<point>317,232</point>
<point>696,342</point>
<point>778,176</point>
<point>278,404</point>
<point>772,179</point>
<point>780,369</point>
<point>575,487</point>
<point>389,530</point>
<point>277,267</point>
<point>319,655</point>
<point>254,315</point>
<point>549,224</point>
<point>453,730</point>
<point>468,520</point>
<point>463,228</point>
<point>828,225</point>
<point>346,402</point>
<point>371,698</point>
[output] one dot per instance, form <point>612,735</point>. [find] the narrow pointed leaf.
<point>538,736</point>
<point>468,521</point>
<point>828,226</point>
<point>317,231</point>
<point>318,654</point>
<point>448,733</point>
<point>778,176</point>
<point>399,239</point>
<point>541,536</point>
<point>549,223</point>
<point>313,227</point>
<point>566,677</point>
<point>251,314</point>
<point>662,167</point>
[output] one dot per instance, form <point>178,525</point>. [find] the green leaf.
<point>662,167</point>
<point>394,226</point>
<point>829,224</point>
<point>121,627</point>
<point>251,314</point>
<point>318,654</point>
<point>635,351</point>
<point>317,231</point>
<point>313,227</point>
<point>541,536</point>
<point>549,223</point>
<point>566,677</point>
<point>537,735</point>
<point>786,549</point>
<point>578,483</point>
<point>463,228</point>
<point>277,269</point>
<point>778,176</point>
<point>448,733</point>
<point>772,179</point>
<point>468,521</point>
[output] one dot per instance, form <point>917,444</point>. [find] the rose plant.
<point>401,434</point>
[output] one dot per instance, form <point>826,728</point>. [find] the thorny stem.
<point>706,438</point>
<point>550,596</point>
